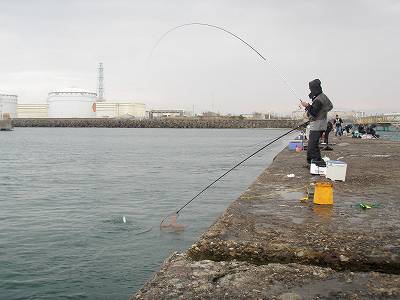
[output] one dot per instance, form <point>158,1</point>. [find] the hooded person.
<point>317,112</point>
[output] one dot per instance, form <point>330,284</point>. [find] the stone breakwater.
<point>269,244</point>
<point>157,123</point>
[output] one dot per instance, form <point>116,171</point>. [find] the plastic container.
<point>295,144</point>
<point>336,170</point>
<point>323,193</point>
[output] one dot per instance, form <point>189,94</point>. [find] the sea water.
<point>65,193</point>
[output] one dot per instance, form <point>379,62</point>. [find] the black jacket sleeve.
<point>314,108</point>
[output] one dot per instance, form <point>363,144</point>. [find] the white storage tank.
<point>8,105</point>
<point>72,103</point>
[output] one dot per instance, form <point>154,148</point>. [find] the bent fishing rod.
<point>234,167</point>
<point>269,61</point>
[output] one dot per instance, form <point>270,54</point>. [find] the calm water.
<point>63,193</point>
<point>393,134</point>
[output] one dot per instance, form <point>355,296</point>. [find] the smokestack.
<point>100,85</point>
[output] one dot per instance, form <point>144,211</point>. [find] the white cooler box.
<point>336,170</point>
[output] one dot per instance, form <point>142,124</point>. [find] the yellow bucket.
<point>323,193</point>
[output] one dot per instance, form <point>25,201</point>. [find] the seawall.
<point>157,123</point>
<point>269,244</point>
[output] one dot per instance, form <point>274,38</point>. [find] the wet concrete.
<point>182,278</point>
<point>269,223</point>
<point>270,227</point>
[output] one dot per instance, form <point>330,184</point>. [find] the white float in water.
<point>124,219</point>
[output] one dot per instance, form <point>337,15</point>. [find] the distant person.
<point>317,113</point>
<point>361,129</point>
<point>338,124</point>
<point>329,128</point>
<point>371,131</point>
<point>347,128</point>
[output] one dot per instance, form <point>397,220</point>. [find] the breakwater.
<point>269,244</point>
<point>157,123</point>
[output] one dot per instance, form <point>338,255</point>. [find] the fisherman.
<point>338,124</point>
<point>361,129</point>
<point>318,115</point>
<point>347,129</point>
<point>371,130</point>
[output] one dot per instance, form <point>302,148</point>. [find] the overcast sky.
<point>352,46</point>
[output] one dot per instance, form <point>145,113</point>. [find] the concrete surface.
<point>182,278</point>
<point>269,223</point>
<point>270,245</point>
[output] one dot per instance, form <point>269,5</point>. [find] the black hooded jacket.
<point>316,90</point>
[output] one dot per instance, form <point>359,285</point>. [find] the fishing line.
<point>269,61</point>
<point>275,69</point>
<point>231,169</point>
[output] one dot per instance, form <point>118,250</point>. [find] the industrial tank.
<point>8,106</point>
<point>72,103</point>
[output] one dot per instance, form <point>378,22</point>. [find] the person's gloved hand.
<point>304,103</point>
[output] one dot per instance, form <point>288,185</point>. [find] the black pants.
<point>313,152</point>
<point>326,138</point>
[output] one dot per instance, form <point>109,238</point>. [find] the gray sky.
<point>352,46</point>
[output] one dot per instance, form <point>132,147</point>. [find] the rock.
<point>224,122</point>
<point>343,258</point>
<point>290,296</point>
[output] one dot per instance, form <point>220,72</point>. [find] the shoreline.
<point>270,245</point>
<point>156,123</point>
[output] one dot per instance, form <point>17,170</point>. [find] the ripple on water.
<point>66,191</point>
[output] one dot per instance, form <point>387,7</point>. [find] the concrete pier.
<point>269,244</point>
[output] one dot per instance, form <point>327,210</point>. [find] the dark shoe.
<point>327,148</point>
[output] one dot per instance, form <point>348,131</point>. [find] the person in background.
<point>371,130</point>
<point>338,124</point>
<point>329,128</point>
<point>317,113</point>
<point>361,129</point>
<point>347,128</point>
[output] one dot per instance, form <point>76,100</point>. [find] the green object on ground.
<point>367,205</point>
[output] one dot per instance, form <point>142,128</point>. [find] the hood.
<point>315,88</point>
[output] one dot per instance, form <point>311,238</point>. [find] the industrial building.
<point>32,110</point>
<point>8,106</point>
<point>103,110</point>
<point>72,103</point>
<point>166,113</point>
<point>115,109</point>
<point>345,115</point>
<point>120,109</point>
